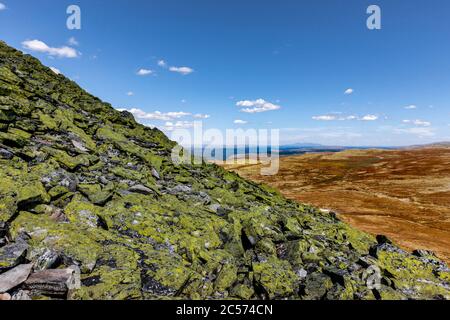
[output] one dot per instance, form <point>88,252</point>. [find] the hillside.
<point>84,188</point>
<point>402,193</point>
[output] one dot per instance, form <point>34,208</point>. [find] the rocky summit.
<point>92,207</point>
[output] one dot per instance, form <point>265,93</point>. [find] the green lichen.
<point>276,277</point>
<point>32,193</point>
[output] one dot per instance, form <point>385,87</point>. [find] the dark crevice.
<point>260,291</point>
<point>376,294</point>
<point>101,223</point>
<point>91,281</point>
<point>12,218</point>
<point>183,286</point>
<point>246,244</point>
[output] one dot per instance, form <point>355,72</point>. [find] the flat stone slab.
<point>14,277</point>
<point>55,282</point>
<point>141,189</point>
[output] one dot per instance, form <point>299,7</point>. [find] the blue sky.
<point>255,64</point>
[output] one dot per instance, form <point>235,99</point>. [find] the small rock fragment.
<point>219,210</point>
<point>423,253</point>
<point>45,260</point>
<point>179,189</point>
<point>141,189</point>
<point>367,261</point>
<point>79,146</point>
<point>302,273</point>
<point>21,295</point>
<point>103,180</point>
<point>5,154</point>
<point>155,174</point>
<point>58,216</point>
<point>5,297</point>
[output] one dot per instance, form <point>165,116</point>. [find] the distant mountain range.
<point>303,145</point>
<point>302,148</point>
<point>296,149</point>
<point>444,144</point>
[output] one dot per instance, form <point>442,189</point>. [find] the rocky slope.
<point>86,190</point>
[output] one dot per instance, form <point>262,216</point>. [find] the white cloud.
<point>55,70</point>
<point>165,116</point>
<point>182,70</point>
<point>170,126</point>
<point>72,41</point>
<point>421,132</point>
<point>2,6</point>
<point>338,117</point>
<point>130,93</point>
<point>256,106</point>
<point>349,91</point>
<point>144,72</point>
<point>341,135</point>
<point>202,116</point>
<point>369,117</point>
<point>39,46</point>
<point>418,122</point>
<point>325,118</point>
<point>177,115</point>
<point>411,107</point>
<point>157,115</point>
<point>240,122</point>
<point>324,135</point>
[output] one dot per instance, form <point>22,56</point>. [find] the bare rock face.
<point>94,202</point>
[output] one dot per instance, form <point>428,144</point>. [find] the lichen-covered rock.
<point>275,278</point>
<point>83,185</point>
<point>12,254</point>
